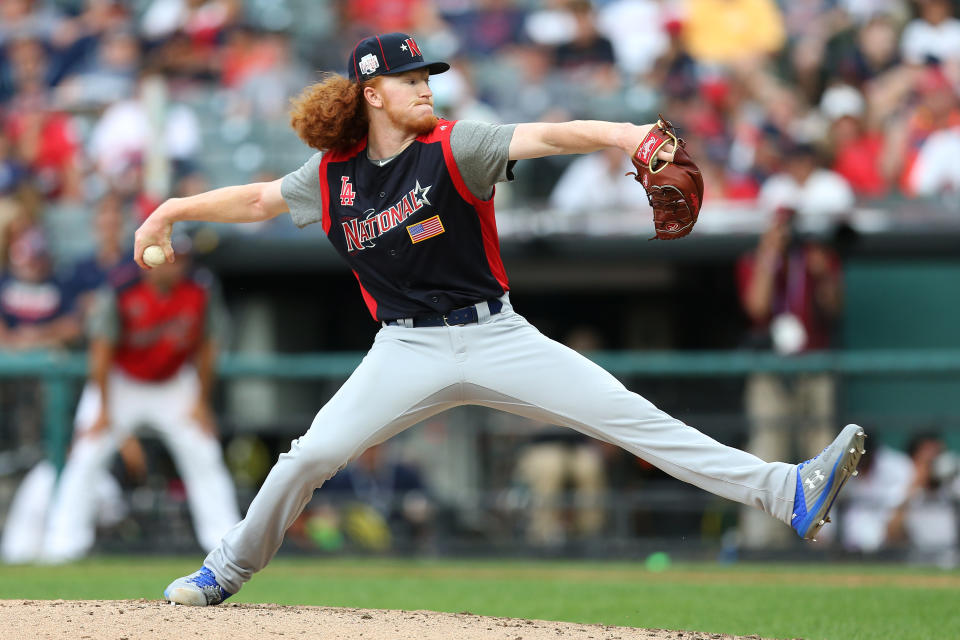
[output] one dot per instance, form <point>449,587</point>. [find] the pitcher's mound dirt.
<point>149,619</point>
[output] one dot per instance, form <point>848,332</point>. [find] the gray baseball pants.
<point>501,362</point>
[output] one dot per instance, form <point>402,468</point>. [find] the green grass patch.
<point>810,601</point>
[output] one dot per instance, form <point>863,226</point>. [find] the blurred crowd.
<point>816,105</point>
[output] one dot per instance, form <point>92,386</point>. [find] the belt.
<point>464,315</point>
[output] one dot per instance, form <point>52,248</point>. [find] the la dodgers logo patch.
<point>346,192</point>
<point>425,230</point>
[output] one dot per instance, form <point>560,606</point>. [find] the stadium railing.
<point>59,371</point>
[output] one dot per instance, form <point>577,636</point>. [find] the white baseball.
<point>153,256</point>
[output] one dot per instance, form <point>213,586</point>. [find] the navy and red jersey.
<point>33,303</point>
<point>155,332</point>
<point>417,240</point>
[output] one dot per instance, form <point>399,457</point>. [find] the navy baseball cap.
<point>386,54</point>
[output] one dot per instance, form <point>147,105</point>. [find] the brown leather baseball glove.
<point>674,189</point>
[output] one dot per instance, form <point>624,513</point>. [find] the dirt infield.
<point>149,619</point>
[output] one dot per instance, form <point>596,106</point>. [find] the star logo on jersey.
<point>420,194</point>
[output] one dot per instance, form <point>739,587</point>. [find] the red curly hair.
<point>330,115</point>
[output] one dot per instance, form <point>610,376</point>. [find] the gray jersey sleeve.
<point>104,319</point>
<point>482,153</point>
<point>301,192</point>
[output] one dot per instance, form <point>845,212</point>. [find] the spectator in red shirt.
<point>938,109</point>
<point>42,138</point>
<point>857,150</point>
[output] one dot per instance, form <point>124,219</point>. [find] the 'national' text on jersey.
<point>360,233</point>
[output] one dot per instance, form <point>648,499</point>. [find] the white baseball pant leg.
<point>22,540</point>
<point>211,495</point>
<point>513,367</point>
<point>402,380</point>
<point>165,406</point>
<point>502,362</point>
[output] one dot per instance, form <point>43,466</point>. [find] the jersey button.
<point>392,252</point>
<point>383,194</point>
<point>435,298</point>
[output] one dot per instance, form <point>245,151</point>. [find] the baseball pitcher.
<point>407,201</point>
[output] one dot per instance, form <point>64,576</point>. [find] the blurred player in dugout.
<point>791,289</point>
<point>153,347</point>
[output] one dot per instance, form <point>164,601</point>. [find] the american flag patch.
<point>425,230</point>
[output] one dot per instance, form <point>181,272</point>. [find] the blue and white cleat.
<point>199,589</point>
<point>820,479</point>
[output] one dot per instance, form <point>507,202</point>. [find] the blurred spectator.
<point>936,110</point>
<point>595,182</point>
<point>455,96</point>
<point>373,16</point>
<point>811,25</point>
<point>112,263</point>
<point>36,312</point>
<point>258,69</point>
<point>185,35</point>
<point>27,19</point>
<point>869,503</point>
<point>586,79</point>
<point>588,56</point>
<point>202,21</point>
<point>111,75</point>
<point>549,24</point>
<point>675,71</point>
<point>36,309</point>
<point>863,11</point>
<point>637,29</point>
<point>17,214</point>
<point>936,170</point>
<point>564,472</point>
<point>927,518</point>
<point>42,138</point>
<point>732,31</point>
<point>375,502</point>
<point>934,36</point>
<point>791,290</point>
<point>125,134</point>
<point>12,171</point>
<point>486,27</point>
<point>875,51</point>
<point>857,151</point>
<point>804,186</point>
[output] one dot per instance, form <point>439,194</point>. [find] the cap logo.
<point>368,64</point>
<point>414,49</point>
